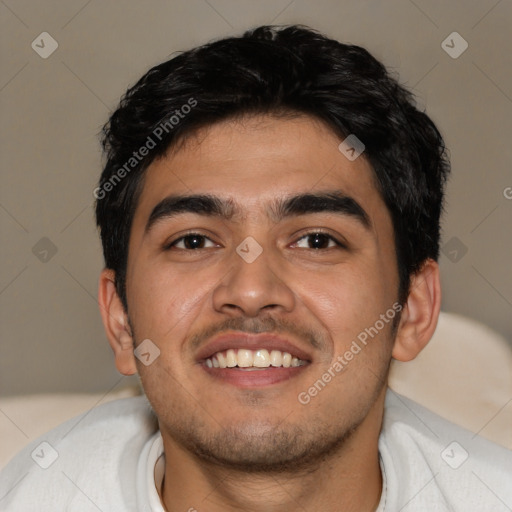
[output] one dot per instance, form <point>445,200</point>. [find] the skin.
<point>260,449</point>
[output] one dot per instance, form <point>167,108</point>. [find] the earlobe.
<point>420,314</point>
<point>116,323</point>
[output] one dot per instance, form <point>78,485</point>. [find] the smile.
<point>253,359</point>
<point>250,361</point>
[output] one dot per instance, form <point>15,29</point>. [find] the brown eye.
<point>318,240</point>
<point>192,241</point>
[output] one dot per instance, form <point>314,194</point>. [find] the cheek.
<point>330,299</point>
<point>162,299</point>
<point>343,298</point>
<point>348,302</point>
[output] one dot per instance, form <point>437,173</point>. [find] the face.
<point>252,277</point>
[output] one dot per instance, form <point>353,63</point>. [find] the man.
<point>267,202</point>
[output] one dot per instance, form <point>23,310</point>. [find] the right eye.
<point>191,242</point>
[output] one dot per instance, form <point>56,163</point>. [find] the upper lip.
<point>244,340</point>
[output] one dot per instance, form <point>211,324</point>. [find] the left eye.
<point>318,241</point>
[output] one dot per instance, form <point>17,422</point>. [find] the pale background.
<point>52,109</point>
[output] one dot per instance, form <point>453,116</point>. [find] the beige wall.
<point>52,109</point>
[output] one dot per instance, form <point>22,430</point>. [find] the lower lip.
<point>254,378</point>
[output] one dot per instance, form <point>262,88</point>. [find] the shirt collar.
<point>154,474</point>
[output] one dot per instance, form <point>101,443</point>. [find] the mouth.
<point>253,359</point>
<point>249,361</point>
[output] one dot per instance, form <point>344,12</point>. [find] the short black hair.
<point>278,70</point>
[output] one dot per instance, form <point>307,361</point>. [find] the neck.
<point>348,479</point>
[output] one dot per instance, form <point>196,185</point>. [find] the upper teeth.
<point>260,358</point>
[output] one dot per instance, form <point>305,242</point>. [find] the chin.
<point>263,447</point>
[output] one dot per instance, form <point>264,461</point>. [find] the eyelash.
<point>339,244</point>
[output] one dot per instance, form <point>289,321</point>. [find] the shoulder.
<point>75,462</point>
<point>439,464</point>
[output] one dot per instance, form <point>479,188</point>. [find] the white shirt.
<point>112,459</point>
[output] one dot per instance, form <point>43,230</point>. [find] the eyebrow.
<point>278,209</point>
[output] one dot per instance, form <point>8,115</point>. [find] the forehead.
<point>255,160</point>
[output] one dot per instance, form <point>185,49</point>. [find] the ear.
<point>419,316</point>
<point>115,321</point>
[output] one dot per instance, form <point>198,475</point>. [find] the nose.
<point>250,287</point>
